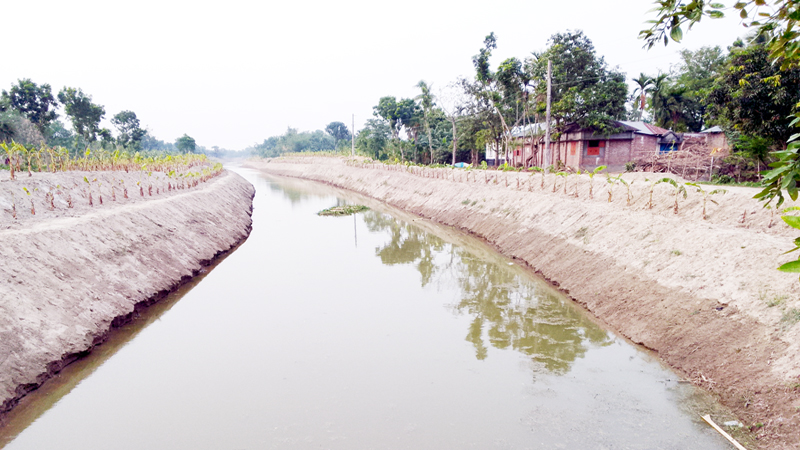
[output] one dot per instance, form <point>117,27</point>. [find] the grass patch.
<point>778,300</point>
<point>790,317</point>
<point>677,252</point>
<point>345,210</point>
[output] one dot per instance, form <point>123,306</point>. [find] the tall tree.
<point>33,101</point>
<point>129,132</point>
<point>372,139</point>
<point>186,144</point>
<point>387,110</point>
<point>84,114</point>
<point>585,91</point>
<point>694,76</point>
<point>452,104</point>
<point>754,96</point>
<point>338,131</point>
<point>409,118</point>
<point>426,101</point>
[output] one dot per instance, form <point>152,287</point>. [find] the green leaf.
<point>791,267</point>
<point>716,14</point>
<point>792,221</point>
<point>676,34</point>
<point>743,14</point>
<point>716,6</point>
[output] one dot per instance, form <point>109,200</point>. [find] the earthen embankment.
<point>68,278</point>
<point>701,292</point>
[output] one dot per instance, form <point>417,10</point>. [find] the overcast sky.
<point>233,73</point>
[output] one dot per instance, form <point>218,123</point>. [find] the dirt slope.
<point>704,294</point>
<point>68,275</point>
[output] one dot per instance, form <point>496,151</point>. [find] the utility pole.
<point>547,118</point>
<point>353,138</point>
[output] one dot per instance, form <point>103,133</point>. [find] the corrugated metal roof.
<point>645,128</point>
<point>714,129</point>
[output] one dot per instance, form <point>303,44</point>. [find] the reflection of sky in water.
<point>508,311</point>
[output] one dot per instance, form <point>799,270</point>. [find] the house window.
<point>594,148</point>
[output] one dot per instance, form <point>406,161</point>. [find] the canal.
<point>373,331</point>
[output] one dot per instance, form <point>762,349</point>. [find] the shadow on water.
<point>36,403</point>
<point>509,310</point>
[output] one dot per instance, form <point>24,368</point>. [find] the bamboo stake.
<point>727,436</point>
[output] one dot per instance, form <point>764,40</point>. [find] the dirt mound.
<point>71,274</point>
<point>702,292</point>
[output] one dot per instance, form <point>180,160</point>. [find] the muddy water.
<point>370,332</point>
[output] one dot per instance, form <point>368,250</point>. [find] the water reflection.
<point>509,310</point>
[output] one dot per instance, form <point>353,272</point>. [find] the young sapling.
<point>612,181</point>
<point>591,178</point>
<point>705,195</point>
<point>89,184</point>
<point>628,189</point>
<point>30,197</point>
<point>679,189</point>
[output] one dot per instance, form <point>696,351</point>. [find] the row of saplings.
<point>464,175</point>
<point>156,174</point>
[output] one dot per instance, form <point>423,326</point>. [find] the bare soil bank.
<point>70,275</point>
<point>703,294</point>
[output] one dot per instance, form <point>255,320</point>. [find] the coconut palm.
<point>643,85</point>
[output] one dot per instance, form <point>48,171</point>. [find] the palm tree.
<point>659,94</point>
<point>426,100</point>
<point>644,84</point>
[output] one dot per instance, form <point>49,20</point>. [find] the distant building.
<point>577,147</point>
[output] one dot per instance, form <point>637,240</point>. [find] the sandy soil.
<point>703,293</point>
<point>69,275</point>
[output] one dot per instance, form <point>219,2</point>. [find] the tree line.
<point>457,122</point>
<point>29,115</point>
<point>738,89</point>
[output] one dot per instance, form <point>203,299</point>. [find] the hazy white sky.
<point>235,72</point>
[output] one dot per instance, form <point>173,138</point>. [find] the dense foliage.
<point>29,115</point>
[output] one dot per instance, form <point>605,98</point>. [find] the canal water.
<point>373,331</point>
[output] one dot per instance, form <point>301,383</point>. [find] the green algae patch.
<point>344,210</point>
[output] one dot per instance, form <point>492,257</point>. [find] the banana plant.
<point>563,175</point>
<point>577,179</point>
<point>594,172</point>
<point>653,184</point>
<point>89,184</point>
<point>705,195</point>
<point>679,189</point>
<point>28,154</point>
<point>612,181</point>
<point>30,197</point>
<point>10,153</point>
<point>627,188</point>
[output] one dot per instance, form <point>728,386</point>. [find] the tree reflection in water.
<point>509,309</point>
